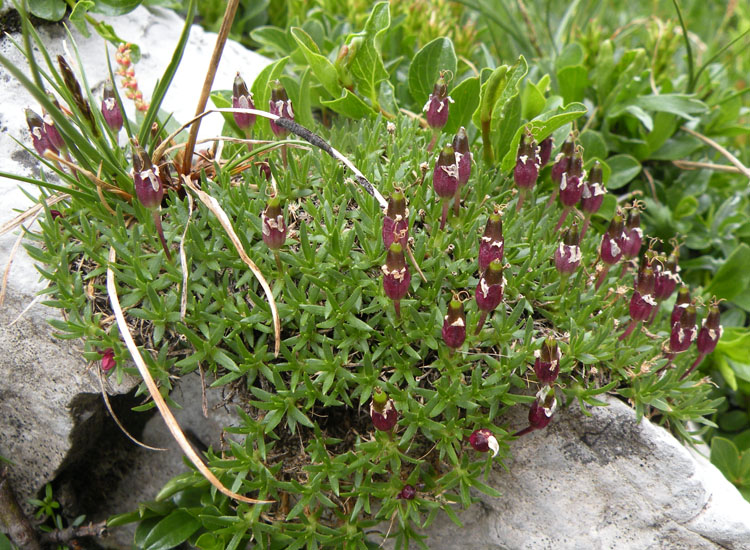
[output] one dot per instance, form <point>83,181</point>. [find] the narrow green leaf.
<point>350,105</point>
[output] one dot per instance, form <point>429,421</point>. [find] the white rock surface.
<point>601,482</point>
<point>39,374</point>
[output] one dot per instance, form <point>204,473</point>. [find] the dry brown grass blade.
<point>153,390</point>
<point>729,156</point>
<point>213,205</point>
<point>105,396</point>
<point>93,177</point>
<point>183,262</point>
<point>693,165</point>
<point>32,212</point>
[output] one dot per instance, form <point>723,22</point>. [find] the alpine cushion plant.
<point>355,408</point>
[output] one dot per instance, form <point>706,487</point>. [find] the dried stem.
<point>12,519</point>
<point>729,156</point>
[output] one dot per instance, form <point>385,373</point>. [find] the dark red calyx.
<point>492,244</point>
<point>631,244</point>
<point>545,150</point>
<point>463,155</point>
<point>483,440</point>
<point>281,106</point>
<point>710,332</point>
<point>39,136</point>
<point>542,409</point>
<point>642,301</point>
<point>563,160</point>
<point>682,301</point>
<point>407,493</point>
<point>383,411</point>
<point>454,324</point>
<point>148,185</point>
<point>568,254</point>
<point>611,248</point>
<point>396,276</point>
<point>526,171</point>
<point>108,360</point>
<point>273,226</point>
<point>489,292</point>
<point>684,331</point>
<point>243,99</point>
<point>445,175</point>
<point>437,107</point>
<point>396,220</point>
<point>593,190</point>
<point>547,361</point>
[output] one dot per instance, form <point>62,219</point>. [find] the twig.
<point>105,396</point>
<point>61,536</point>
<point>692,165</point>
<point>12,519</point>
<point>213,64</point>
<point>532,32</point>
<point>729,156</point>
<point>153,390</point>
<point>414,262</point>
<point>214,206</point>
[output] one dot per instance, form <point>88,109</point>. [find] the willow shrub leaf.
<point>426,66</point>
<point>321,67</point>
<point>367,66</point>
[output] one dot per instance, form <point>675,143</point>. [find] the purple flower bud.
<point>396,276</point>
<point>684,331</point>
<point>526,171</point>
<point>280,105</point>
<point>562,161</point>
<point>396,221</point>
<point>454,325</point>
<point>489,292</point>
<point>571,182</point>
<point>593,190</point>
<point>642,301</point>
<point>111,110</point>
<point>667,277</point>
<point>547,362</point>
<point>631,244</point>
<point>445,175</point>
<point>407,493</point>
<point>682,301</point>
<point>38,134</point>
<point>108,360</point>
<point>483,440</point>
<point>545,150</point>
<point>383,411</point>
<point>55,214</point>
<point>492,245</point>
<point>710,332</point>
<point>540,413</point>
<point>272,223</point>
<point>611,247</point>
<point>148,185</point>
<point>568,254</point>
<point>242,99</point>
<point>463,155</point>
<point>437,107</point>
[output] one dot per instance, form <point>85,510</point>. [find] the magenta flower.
<point>108,360</point>
<point>526,171</point>
<point>437,107</point>
<point>571,186</point>
<point>396,220</point>
<point>454,325</point>
<point>280,105</point>
<point>242,99</point>
<point>463,159</point>
<point>407,493</point>
<point>642,302</point>
<point>610,250</point>
<point>396,276</point>
<point>483,440</point>
<point>545,150</point>
<point>383,411</point>
<point>489,292</point>
<point>568,254</point>
<point>39,136</point>
<point>708,337</point>
<point>541,411</point>
<point>111,110</point>
<point>492,245</point>
<point>273,226</point>
<point>547,361</point>
<point>593,195</point>
<point>445,179</point>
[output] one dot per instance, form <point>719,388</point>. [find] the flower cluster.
<point>127,71</point>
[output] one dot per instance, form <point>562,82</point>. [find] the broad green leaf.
<point>624,169</point>
<point>571,55</point>
<point>726,371</point>
<point>687,206</point>
<point>302,106</point>
<point>572,81</point>
<point>320,65</point>
<point>5,543</point>
<point>677,104</point>
<point>491,87</point>
<point>593,144</point>
<point>725,456</point>
<point>541,127</point>
<point>273,38</point>
<point>733,276</point>
<point>51,10</point>
<point>532,100</point>
<point>426,66</point>
<point>112,8</point>
<point>171,531</point>
<point>78,16</point>
<point>366,66</point>
<point>350,105</point>
<point>509,124</point>
<point>466,99</point>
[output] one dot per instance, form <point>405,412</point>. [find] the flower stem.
<point>602,276</point>
<point>526,430</point>
<point>692,367</point>
<point>279,265</point>
<point>397,305</point>
<point>521,197</point>
<point>480,324</point>
<point>446,206</point>
<point>586,222</point>
<point>562,219</point>
<point>433,141</point>
<point>628,330</point>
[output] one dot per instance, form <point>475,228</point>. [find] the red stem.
<point>562,219</point>
<point>586,222</point>
<point>525,431</point>
<point>653,313</point>
<point>521,197</point>
<point>431,146</point>
<point>695,364</point>
<point>480,324</point>
<point>602,276</point>
<point>457,201</point>
<point>446,206</point>
<point>552,198</point>
<point>397,305</point>
<point>629,330</point>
